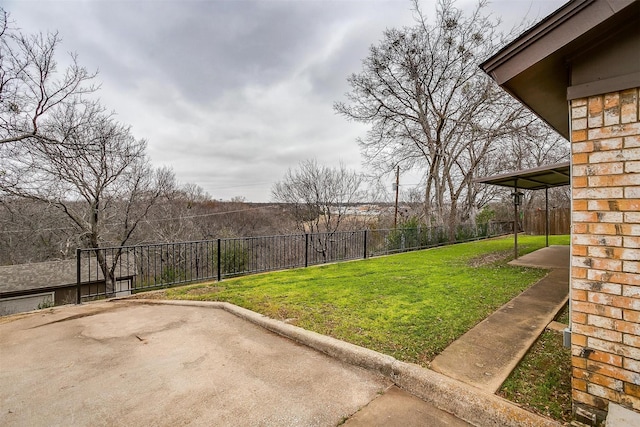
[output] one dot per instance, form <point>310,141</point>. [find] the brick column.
<point>605,272</point>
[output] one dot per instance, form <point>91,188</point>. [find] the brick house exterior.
<point>605,271</point>
<point>579,70</point>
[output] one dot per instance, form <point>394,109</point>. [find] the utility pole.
<point>397,187</point>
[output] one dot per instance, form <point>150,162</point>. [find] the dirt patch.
<point>489,258</point>
<point>160,294</point>
<point>206,290</point>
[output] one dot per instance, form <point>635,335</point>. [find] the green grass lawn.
<point>410,305</point>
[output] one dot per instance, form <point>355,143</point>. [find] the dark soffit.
<point>535,68</point>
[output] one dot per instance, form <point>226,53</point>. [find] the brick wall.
<point>605,272</point>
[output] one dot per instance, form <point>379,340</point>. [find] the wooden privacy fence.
<point>559,221</point>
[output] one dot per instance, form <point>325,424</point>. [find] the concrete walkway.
<point>485,356</point>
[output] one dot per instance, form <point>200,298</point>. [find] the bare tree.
<point>319,198</point>
<point>102,180</point>
<point>32,87</point>
<point>430,106</point>
<point>34,231</point>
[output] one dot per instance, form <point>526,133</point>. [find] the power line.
<point>150,220</point>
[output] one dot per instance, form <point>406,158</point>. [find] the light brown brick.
<point>580,158</point>
<point>606,264</point>
<point>629,205</point>
<point>603,392</point>
<point>592,308</point>
<point>588,399</point>
<point>579,250</point>
<point>579,170</point>
<point>598,193</point>
<point>628,254</point>
<point>599,282</point>
<point>629,105</point>
<point>632,167</point>
<point>614,180</point>
<point>608,144</point>
<point>579,182</point>
<point>582,147</point>
<point>631,141</point>
<point>581,216</point>
<point>631,340</point>
<point>631,266</point>
<point>578,384</point>
<point>601,322</point>
<point>632,290</point>
<point>632,217</point>
<point>631,316</point>
<point>613,347</point>
<point>611,109</point>
<point>610,371</point>
<point>578,317</point>
<point>578,339</point>
<point>597,240</point>
<point>631,242</point>
<point>579,102</point>
<point>579,135</point>
<point>632,192</point>
<point>578,261</point>
<point>625,278</point>
<point>578,362</point>
<point>613,156</point>
<point>602,252</point>
<point>578,111</point>
<point>579,272</point>
<point>603,228</point>
<point>600,333</point>
<point>578,123</point>
<point>579,295</point>
<point>610,168</point>
<point>605,381</point>
<point>627,327</point>
<point>579,205</point>
<point>632,390</point>
<point>623,302</point>
<point>626,129</point>
<point>613,217</point>
<point>601,205</point>
<point>595,110</point>
<point>631,365</point>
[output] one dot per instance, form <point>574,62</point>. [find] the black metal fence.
<point>119,271</point>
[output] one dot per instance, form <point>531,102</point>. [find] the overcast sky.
<point>231,93</point>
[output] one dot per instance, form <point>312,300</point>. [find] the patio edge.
<point>465,402</point>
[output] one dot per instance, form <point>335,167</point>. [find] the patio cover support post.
<point>546,213</point>
<point>515,219</point>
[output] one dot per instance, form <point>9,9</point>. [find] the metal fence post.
<point>78,271</point>
<point>219,257</point>
<point>365,244</point>
<point>306,249</point>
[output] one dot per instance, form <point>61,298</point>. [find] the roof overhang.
<point>533,179</point>
<point>566,56</point>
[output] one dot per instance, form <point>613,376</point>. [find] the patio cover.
<point>540,178</point>
<point>533,179</point>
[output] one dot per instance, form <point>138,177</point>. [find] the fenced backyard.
<point>131,269</point>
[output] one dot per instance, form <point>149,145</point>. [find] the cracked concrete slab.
<point>116,363</point>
